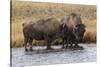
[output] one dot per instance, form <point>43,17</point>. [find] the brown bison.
<point>44,29</point>
<point>75,31</point>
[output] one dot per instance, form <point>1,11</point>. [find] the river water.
<point>20,58</point>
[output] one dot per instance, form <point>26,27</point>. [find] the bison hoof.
<point>31,49</point>
<point>81,47</point>
<point>49,49</point>
<point>71,47</point>
<point>63,47</point>
<point>67,47</point>
<point>26,50</point>
<point>78,47</point>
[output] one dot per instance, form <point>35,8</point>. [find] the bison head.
<point>79,31</point>
<point>63,29</point>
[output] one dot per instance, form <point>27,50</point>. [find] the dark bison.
<point>76,30</point>
<point>44,29</point>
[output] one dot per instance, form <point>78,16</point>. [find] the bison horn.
<point>63,25</point>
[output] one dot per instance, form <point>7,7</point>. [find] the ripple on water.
<point>21,58</point>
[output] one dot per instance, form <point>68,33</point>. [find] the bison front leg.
<point>71,45</point>
<point>67,42</point>
<point>63,44</point>
<point>76,44</point>
<point>78,47</point>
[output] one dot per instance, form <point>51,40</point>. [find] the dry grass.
<point>24,11</point>
<point>89,37</point>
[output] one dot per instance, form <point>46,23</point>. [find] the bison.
<point>44,29</point>
<point>76,30</point>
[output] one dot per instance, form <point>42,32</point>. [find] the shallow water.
<point>21,58</point>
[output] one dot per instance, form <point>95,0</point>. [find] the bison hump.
<point>47,25</point>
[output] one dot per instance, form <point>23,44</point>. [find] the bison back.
<point>45,26</point>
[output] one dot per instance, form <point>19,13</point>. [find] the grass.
<point>25,11</point>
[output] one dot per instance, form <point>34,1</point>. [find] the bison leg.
<point>25,43</point>
<point>63,45</point>
<point>71,44</point>
<point>49,45</point>
<point>76,45</point>
<point>67,45</point>
<point>30,43</point>
<point>47,38</point>
<point>67,42</point>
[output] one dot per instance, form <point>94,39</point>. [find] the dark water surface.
<point>20,58</point>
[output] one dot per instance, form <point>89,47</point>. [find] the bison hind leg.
<point>25,44</point>
<point>49,47</point>
<point>30,43</point>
